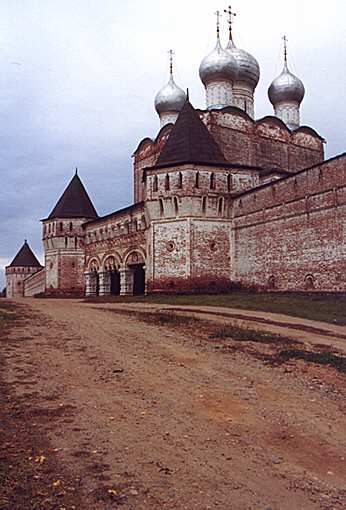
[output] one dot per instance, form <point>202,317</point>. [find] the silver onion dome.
<point>218,65</point>
<point>286,87</point>
<point>248,67</point>
<point>170,98</point>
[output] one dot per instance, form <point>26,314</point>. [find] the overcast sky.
<point>78,79</point>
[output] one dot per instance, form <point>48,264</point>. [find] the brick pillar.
<point>105,283</point>
<point>126,282</point>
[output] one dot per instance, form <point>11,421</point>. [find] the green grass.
<point>322,307</point>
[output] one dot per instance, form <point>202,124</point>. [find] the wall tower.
<point>23,265</point>
<point>63,239</point>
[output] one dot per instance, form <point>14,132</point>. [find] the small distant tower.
<point>286,93</point>
<point>248,73</point>
<point>170,99</point>
<point>63,240</point>
<point>218,72</point>
<point>23,265</point>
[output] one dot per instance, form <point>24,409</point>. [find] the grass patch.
<point>7,313</point>
<point>242,333</point>
<point>166,318</point>
<point>321,358</point>
<point>329,308</point>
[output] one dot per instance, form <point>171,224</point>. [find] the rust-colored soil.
<point>102,410</point>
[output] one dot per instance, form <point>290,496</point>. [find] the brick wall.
<point>189,255</point>
<point>63,241</point>
<point>15,277</point>
<point>265,143</point>
<point>116,235</point>
<point>35,284</point>
<point>291,235</point>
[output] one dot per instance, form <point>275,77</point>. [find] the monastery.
<point>221,200</point>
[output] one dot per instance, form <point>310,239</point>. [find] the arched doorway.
<point>112,269</point>
<point>138,279</point>
<point>115,282</point>
<point>136,264</point>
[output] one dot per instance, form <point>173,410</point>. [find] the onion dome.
<point>248,67</point>
<point>219,65</point>
<point>286,87</point>
<point>170,98</point>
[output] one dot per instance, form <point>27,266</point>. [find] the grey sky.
<point>78,80</point>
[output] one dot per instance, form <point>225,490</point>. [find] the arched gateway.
<point>114,277</point>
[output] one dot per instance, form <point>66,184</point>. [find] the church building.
<point>221,200</point>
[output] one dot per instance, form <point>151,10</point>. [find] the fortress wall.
<point>291,235</point>
<point>35,284</point>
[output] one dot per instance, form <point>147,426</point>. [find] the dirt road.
<point>161,417</point>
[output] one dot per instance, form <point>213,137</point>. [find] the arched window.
<point>309,282</point>
<point>204,205</point>
<point>271,282</point>
<point>61,226</point>
<point>229,182</point>
<point>75,242</point>
<point>161,207</point>
<point>66,241</point>
<point>180,180</point>
<point>212,181</point>
<point>197,180</point>
<point>167,182</point>
<point>71,226</point>
<point>155,183</point>
<point>176,206</point>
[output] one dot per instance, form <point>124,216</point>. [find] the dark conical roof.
<point>25,258</point>
<point>190,141</point>
<point>74,202</point>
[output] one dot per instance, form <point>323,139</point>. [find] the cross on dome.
<point>218,16</point>
<point>171,53</point>
<point>231,15</point>
<point>285,40</point>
